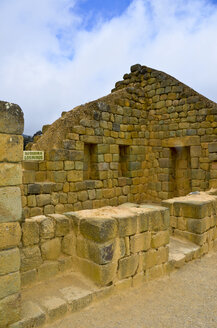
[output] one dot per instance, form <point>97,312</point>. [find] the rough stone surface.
<point>10,204</point>
<point>9,310</point>
<point>10,234</point>
<point>99,229</point>
<point>12,120</point>
<point>10,174</point>
<point>9,261</point>
<point>51,249</point>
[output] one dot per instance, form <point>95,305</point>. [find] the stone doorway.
<point>181,170</point>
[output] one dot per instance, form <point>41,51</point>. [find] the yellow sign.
<point>32,155</point>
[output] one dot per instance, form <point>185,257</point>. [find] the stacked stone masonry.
<point>107,245</point>
<point>11,151</point>
<point>152,138</point>
<point>194,217</point>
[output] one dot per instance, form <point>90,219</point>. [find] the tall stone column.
<point>11,150</point>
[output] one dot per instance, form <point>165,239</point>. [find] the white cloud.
<point>178,37</point>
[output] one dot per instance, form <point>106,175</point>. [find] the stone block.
<point>47,228</point>
<point>11,148</point>
<point>155,272</point>
<point>34,188</point>
<point>9,284</point>
<point>65,263</point>
<point>128,266</point>
<point>51,249</point>
<point>55,307</point>
<point>28,277</point>
<point>48,270</point>
<point>102,275</point>
<point>10,234</point>
<point>127,224</point>
<point>98,253</point>
<point>195,151</point>
<point>10,204</point>
<point>77,298</point>
<point>30,258</point>
<point>62,224</point>
<point>43,199</point>
<point>140,242</point>
<point>10,174</point>
<point>198,226</point>
<point>30,230</point>
<point>191,209</point>
<point>159,239</point>
<point>74,176</point>
<point>32,316</point>
<point>212,147</point>
<point>149,259</point>
<point>12,121</point>
<point>9,261</point>
<point>9,310</point>
<point>99,230</point>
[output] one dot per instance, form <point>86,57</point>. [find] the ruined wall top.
<point>11,118</point>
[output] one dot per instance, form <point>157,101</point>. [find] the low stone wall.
<point>194,217</point>
<point>11,146</point>
<point>129,241</point>
<point>107,245</point>
<point>48,243</point>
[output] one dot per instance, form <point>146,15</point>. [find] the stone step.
<point>52,300</point>
<point>48,301</point>
<point>182,251</point>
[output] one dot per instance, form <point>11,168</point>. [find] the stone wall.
<point>109,245</point>
<point>152,138</point>
<point>194,217</point>
<point>47,247</point>
<point>11,147</point>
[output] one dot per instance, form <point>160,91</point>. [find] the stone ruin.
<point>121,177</point>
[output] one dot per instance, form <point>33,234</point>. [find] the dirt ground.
<point>186,299</point>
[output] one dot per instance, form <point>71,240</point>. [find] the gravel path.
<point>186,299</point>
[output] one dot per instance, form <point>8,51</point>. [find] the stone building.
<point>152,138</point>
<point>85,208</point>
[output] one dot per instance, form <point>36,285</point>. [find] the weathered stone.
<point>10,174</point>
<point>9,261</point>
<point>127,224</point>
<point>9,284</point>
<point>140,242</point>
<point>43,199</point>
<point>98,253</point>
<point>28,277</point>
<point>128,266</point>
<point>10,234</point>
<point>12,120</point>
<point>159,239</point>
<point>32,316</point>
<point>55,307</point>
<point>47,228</point>
<point>47,270</point>
<point>68,244</point>
<point>30,234</point>
<point>99,229</point>
<point>62,224</point>
<point>51,249</point>
<point>10,204</point>
<point>30,258</point>
<point>9,310</point>
<point>77,298</point>
<point>102,275</point>
<point>11,148</point>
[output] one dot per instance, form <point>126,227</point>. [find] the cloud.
<point>49,62</point>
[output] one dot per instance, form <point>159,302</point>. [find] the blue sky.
<point>57,54</point>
